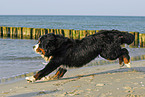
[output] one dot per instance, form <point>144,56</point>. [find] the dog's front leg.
<point>59,74</point>
<point>51,66</point>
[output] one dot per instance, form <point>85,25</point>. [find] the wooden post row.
<point>35,33</point>
<point>136,41</point>
<point>142,40</point>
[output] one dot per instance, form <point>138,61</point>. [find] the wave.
<point>20,58</point>
<point>16,77</point>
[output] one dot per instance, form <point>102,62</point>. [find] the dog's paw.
<point>30,79</point>
<point>128,65</point>
<point>54,77</point>
<point>46,78</point>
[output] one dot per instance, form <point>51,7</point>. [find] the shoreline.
<point>96,62</point>
<point>93,81</point>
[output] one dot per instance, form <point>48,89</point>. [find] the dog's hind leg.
<point>121,61</point>
<point>59,74</point>
<point>124,58</point>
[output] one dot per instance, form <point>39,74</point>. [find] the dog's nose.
<point>33,47</point>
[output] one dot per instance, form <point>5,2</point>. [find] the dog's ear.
<point>47,37</point>
<point>62,42</point>
<point>49,44</point>
<point>50,36</point>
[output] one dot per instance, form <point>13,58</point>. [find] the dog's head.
<point>45,45</point>
<point>51,44</point>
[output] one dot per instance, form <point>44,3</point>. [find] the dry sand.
<point>94,81</point>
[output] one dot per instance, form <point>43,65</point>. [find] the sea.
<point>17,56</point>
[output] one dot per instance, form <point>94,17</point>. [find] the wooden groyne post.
<point>35,33</point>
<point>136,41</point>
<point>142,40</point>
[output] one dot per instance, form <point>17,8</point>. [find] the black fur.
<point>76,53</point>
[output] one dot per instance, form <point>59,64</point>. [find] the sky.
<point>73,7</point>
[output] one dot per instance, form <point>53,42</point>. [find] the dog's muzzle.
<point>38,50</point>
<point>41,51</point>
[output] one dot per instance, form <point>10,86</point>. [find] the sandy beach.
<point>93,81</point>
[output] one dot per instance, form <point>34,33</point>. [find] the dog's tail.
<point>126,38</point>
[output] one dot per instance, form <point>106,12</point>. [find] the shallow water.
<point>17,57</point>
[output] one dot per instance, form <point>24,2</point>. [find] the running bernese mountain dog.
<point>60,50</point>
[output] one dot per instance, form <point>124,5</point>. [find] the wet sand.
<point>93,81</point>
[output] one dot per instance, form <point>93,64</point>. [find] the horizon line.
<point>67,15</point>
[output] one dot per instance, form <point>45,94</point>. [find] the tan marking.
<point>61,74</point>
<point>36,76</point>
<point>58,72</point>
<point>126,61</point>
<point>37,50</point>
<point>108,59</point>
<point>42,50</point>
